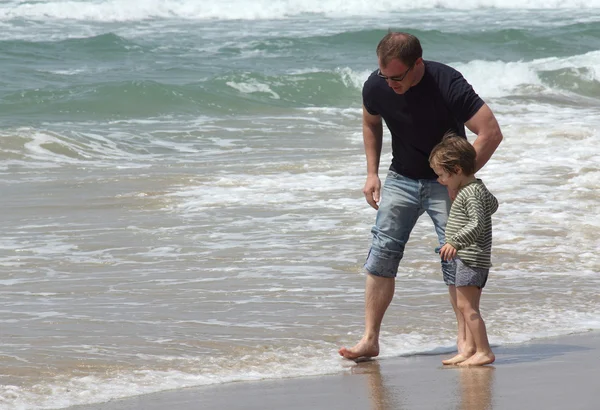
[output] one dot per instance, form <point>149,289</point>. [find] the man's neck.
<point>420,71</point>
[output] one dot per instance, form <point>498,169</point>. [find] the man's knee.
<point>383,262</point>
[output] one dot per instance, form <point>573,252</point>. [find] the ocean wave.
<point>241,92</point>
<point>99,47</point>
<point>572,76</point>
<point>136,10</point>
<point>569,77</point>
<point>490,43</point>
<point>32,147</point>
<point>231,94</point>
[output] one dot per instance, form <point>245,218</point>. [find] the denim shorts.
<point>403,201</point>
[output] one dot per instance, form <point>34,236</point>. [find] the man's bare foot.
<point>362,349</point>
<point>459,358</point>
<point>479,359</point>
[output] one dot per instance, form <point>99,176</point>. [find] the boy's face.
<point>452,181</point>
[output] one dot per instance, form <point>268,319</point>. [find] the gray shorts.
<point>467,276</point>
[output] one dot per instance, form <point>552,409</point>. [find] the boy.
<point>468,242</point>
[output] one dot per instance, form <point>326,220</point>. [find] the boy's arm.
<point>469,233</point>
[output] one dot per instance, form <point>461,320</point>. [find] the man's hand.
<point>372,190</point>
<point>448,252</point>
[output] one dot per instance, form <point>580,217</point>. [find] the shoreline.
<point>550,373</point>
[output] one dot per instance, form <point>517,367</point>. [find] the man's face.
<point>398,75</point>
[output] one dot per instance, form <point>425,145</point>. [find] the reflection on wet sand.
<point>474,388</point>
<point>476,385</point>
<point>382,395</point>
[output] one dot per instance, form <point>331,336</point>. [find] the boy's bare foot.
<point>459,358</point>
<point>479,359</point>
<point>362,349</point>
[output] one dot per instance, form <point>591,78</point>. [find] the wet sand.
<point>547,374</point>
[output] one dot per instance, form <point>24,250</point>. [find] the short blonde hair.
<point>454,152</point>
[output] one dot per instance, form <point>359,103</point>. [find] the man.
<point>420,101</point>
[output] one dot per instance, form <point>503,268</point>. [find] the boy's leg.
<point>438,206</point>
<point>467,298</point>
<point>469,284</point>
<point>464,340</point>
<point>398,212</point>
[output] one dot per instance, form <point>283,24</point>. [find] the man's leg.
<point>379,292</point>
<point>397,215</point>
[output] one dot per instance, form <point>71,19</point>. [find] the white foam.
<point>351,78</point>
<point>253,86</point>
<point>523,77</point>
<point>510,78</point>
<point>73,71</point>
<point>273,363</point>
<point>530,323</point>
<point>135,10</point>
<point>285,190</point>
<point>47,149</point>
<point>96,389</point>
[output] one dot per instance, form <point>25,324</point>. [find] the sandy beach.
<point>553,373</point>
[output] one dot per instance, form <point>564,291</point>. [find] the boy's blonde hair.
<point>454,152</point>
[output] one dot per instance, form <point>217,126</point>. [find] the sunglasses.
<point>397,78</point>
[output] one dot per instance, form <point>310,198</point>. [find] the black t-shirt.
<point>418,119</point>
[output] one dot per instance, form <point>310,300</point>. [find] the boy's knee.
<point>473,315</point>
<point>464,306</point>
<point>467,310</point>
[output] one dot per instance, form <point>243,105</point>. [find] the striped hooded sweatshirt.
<point>469,227</point>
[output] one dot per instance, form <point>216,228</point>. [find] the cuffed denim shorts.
<point>403,201</point>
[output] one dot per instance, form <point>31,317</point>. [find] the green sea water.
<point>160,68</point>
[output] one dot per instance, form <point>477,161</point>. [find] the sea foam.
<point>135,10</point>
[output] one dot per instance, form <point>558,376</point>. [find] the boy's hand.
<point>448,252</point>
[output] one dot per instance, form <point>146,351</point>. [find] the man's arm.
<point>373,140</point>
<point>484,125</point>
